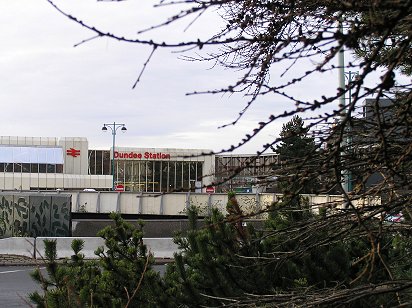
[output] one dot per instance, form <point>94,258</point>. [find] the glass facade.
<point>25,159</point>
<point>157,176</point>
<point>148,175</point>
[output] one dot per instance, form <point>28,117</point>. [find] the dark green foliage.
<point>214,261</point>
<point>295,154</point>
<point>226,259</point>
<point>296,254</point>
<point>302,261</point>
<point>122,276</point>
<point>123,263</point>
<point>296,143</point>
<point>57,285</point>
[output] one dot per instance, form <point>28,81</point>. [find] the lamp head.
<point>124,129</point>
<point>104,128</point>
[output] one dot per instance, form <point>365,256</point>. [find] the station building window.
<point>25,159</point>
<point>99,162</point>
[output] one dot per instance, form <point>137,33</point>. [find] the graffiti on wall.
<point>34,214</point>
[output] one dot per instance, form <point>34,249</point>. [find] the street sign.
<point>210,189</point>
<point>119,187</point>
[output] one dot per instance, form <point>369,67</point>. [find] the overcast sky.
<point>50,88</point>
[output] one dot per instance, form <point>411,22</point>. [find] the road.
<point>16,284</point>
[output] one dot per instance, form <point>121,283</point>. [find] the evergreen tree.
<point>295,152</point>
<point>60,283</point>
<point>296,143</point>
<point>217,261</point>
<point>225,261</point>
<point>121,276</point>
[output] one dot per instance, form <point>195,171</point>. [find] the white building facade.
<point>44,163</point>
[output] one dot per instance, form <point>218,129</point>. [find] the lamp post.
<point>114,127</point>
<point>346,140</point>
<point>342,106</point>
<point>351,76</point>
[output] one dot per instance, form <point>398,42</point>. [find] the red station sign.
<point>145,155</point>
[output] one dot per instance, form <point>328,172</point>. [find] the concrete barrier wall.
<point>21,246</point>
<point>161,247</point>
<point>177,203</point>
<point>34,247</point>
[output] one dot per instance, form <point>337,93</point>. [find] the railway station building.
<point>67,163</point>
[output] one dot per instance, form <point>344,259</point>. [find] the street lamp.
<point>114,127</point>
